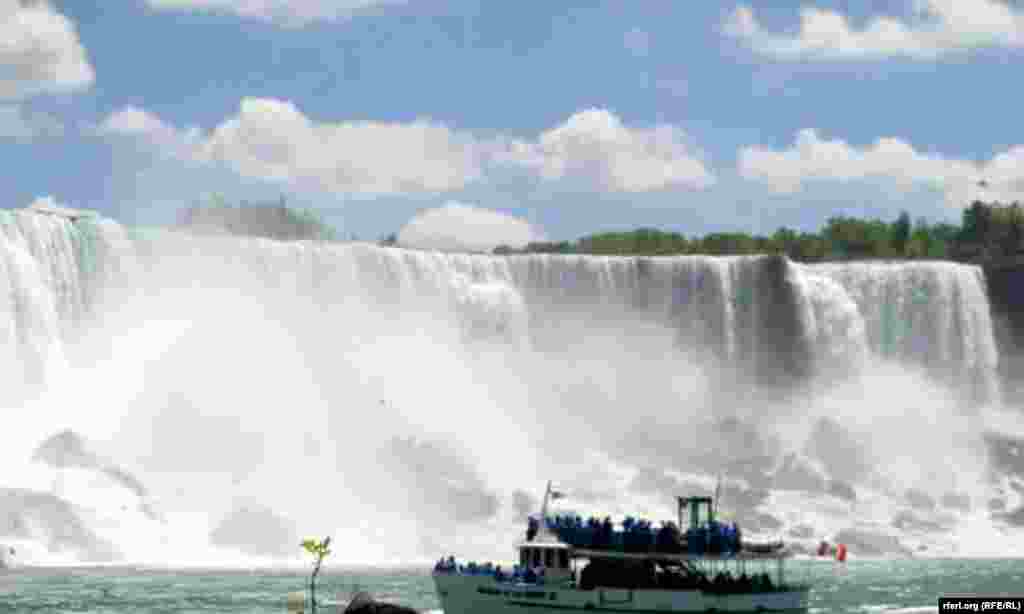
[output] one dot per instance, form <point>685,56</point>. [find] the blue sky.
<point>575,116</point>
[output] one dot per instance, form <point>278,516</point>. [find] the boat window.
<point>524,557</point>
<point>563,559</point>
<point>536,557</point>
<point>549,558</point>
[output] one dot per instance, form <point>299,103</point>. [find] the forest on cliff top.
<point>989,233</point>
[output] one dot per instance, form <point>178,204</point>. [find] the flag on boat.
<point>841,553</point>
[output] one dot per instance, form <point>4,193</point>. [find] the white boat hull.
<point>469,594</point>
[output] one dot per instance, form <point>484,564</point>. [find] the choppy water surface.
<point>862,586</point>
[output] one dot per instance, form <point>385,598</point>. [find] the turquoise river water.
<point>861,586</point>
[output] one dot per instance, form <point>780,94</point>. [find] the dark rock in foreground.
<point>363,603</point>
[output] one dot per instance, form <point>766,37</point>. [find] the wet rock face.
<point>870,543</point>
<point>1005,286</point>
<point>785,355</point>
<point>52,520</point>
<point>258,531</point>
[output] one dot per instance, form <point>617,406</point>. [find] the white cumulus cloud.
<point>938,27</point>
<point>138,123</point>
<point>39,51</point>
<point>284,12</point>
<point>460,227</point>
<point>596,147</point>
<point>272,139</point>
<point>890,160</point>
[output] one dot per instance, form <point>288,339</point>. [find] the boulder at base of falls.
<point>363,603</point>
<point>257,531</point>
<point>870,543</point>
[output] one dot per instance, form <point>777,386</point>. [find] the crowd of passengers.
<point>640,535</point>
<point>723,582</point>
<point>529,575</point>
<point>742,584</point>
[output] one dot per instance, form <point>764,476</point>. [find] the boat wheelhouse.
<point>566,564</point>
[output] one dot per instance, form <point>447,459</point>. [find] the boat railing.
<point>516,575</point>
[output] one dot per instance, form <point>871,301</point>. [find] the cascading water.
<point>233,393</point>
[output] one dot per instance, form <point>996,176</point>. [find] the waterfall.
<point>228,372</point>
<point>932,314</point>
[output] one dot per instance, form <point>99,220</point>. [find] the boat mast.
<point>544,505</point>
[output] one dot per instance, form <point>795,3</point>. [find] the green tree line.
<point>989,232</point>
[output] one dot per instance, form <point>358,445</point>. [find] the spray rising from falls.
<point>185,399</point>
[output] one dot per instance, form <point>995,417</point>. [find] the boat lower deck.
<point>465,594</point>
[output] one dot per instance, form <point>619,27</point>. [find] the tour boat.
<point>565,564</point>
